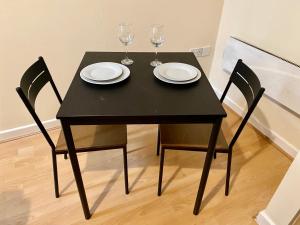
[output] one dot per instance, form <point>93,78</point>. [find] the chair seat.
<point>100,136</point>
<point>189,136</point>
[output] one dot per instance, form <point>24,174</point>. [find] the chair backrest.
<point>248,83</point>
<point>32,82</point>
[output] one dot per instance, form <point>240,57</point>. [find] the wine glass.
<point>157,38</point>
<point>126,37</point>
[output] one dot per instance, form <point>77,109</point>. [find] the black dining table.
<point>140,99</point>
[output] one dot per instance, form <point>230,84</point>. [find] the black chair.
<point>86,138</point>
<point>195,137</point>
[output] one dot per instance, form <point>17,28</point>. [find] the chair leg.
<point>215,155</point>
<point>66,156</point>
<point>158,142</point>
<point>228,172</point>
<point>161,168</point>
<point>54,162</point>
<point>125,169</point>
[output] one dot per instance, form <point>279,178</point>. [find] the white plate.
<point>177,71</point>
<point>103,71</point>
<point>158,76</point>
<point>125,74</point>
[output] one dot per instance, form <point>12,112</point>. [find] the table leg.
<point>76,168</point>
<point>207,163</point>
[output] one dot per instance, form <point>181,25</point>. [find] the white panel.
<point>280,78</point>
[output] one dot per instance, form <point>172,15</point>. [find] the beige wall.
<point>272,25</point>
<point>62,31</point>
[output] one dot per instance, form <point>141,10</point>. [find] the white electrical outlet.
<point>201,52</point>
<point>197,51</point>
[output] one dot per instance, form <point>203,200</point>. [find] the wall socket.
<point>197,51</point>
<point>201,52</point>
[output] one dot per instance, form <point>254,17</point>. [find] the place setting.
<point>104,73</point>
<point>177,73</point>
<point>172,72</point>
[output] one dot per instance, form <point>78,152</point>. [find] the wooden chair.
<point>195,137</point>
<point>86,138</point>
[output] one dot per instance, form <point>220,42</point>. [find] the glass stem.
<point>156,59</point>
<point>126,52</point>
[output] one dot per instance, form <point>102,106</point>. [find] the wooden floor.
<point>27,192</point>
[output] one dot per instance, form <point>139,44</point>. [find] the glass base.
<point>126,61</point>
<point>155,63</point>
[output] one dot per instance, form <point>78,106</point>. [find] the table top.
<point>141,98</point>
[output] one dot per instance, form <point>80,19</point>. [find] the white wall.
<point>272,25</point>
<point>62,31</point>
<point>285,203</point>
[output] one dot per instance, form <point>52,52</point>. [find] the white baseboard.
<point>27,130</point>
<point>272,135</point>
<point>263,219</point>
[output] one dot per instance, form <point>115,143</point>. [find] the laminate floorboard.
<point>27,190</point>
